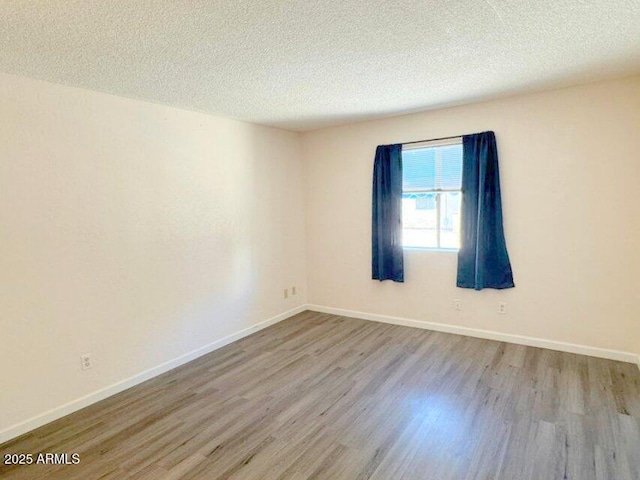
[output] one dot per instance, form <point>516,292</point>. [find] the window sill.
<point>431,249</point>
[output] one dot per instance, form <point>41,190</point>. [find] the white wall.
<point>134,232</point>
<point>140,233</point>
<point>570,172</point>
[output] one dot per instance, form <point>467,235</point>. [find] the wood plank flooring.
<point>324,397</point>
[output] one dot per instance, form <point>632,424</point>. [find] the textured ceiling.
<point>306,64</point>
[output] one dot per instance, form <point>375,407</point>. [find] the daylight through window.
<point>431,194</point>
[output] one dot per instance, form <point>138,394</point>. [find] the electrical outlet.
<point>457,306</point>
<point>86,361</point>
<point>286,293</point>
<point>293,290</point>
<point>502,308</point>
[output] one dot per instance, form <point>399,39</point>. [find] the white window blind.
<point>437,168</point>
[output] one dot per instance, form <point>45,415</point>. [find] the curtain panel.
<point>387,256</point>
<point>483,261</point>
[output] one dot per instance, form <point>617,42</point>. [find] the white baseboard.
<point>94,397</point>
<point>79,403</point>
<point>487,334</point>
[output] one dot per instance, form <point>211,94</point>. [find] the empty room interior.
<point>336,240</point>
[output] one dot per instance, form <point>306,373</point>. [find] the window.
<point>431,195</point>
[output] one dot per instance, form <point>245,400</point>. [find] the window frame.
<point>438,192</point>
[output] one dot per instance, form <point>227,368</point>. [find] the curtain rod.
<point>438,139</point>
<point>432,139</point>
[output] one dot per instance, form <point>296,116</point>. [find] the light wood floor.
<point>326,397</point>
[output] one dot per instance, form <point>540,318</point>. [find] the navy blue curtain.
<point>483,261</point>
<point>386,235</point>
